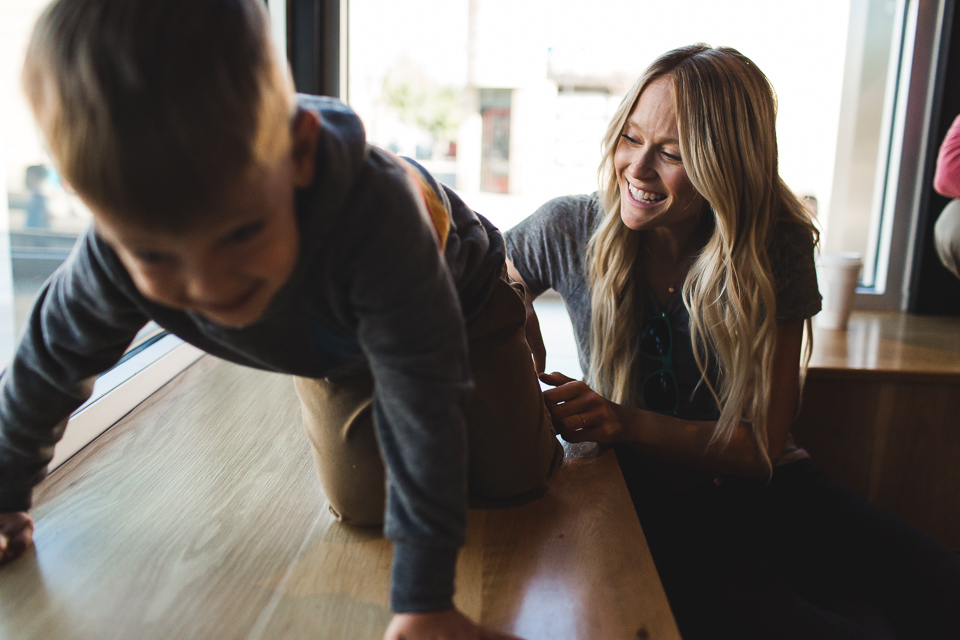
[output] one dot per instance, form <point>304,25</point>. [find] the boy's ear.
<point>304,132</point>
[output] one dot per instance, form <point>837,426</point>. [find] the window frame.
<point>316,35</point>
<point>907,190</point>
<point>121,389</point>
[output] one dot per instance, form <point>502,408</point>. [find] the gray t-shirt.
<point>549,251</point>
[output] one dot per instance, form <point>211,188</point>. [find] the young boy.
<point>266,232</point>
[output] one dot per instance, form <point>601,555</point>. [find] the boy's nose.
<point>209,287</point>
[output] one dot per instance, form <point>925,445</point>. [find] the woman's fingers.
<point>586,420</point>
<point>565,392</point>
<point>556,378</point>
<point>587,427</point>
<point>577,404</point>
<point>572,398</point>
<point>581,435</point>
<point>593,422</point>
<point>573,422</point>
<point>579,414</point>
<point>603,433</point>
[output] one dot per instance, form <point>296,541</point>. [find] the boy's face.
<point>228,266</point>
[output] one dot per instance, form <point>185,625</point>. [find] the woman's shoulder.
<point>571,205</point>
<point>792,240</point>
<point>794,273</point>
<point>574,215</point>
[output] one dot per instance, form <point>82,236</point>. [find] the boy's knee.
<point>357,512</point>
<point>355,491</point>
<point>338,418</point>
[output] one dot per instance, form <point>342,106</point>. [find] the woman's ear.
<point>304,132</point>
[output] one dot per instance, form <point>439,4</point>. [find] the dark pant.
<point>802,557</point>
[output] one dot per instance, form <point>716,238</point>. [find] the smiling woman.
<point>697,390</point>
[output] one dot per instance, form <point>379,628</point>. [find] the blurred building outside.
<point>39,220</point>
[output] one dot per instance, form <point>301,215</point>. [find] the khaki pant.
<point>946,237</point>
<point>512,444</point>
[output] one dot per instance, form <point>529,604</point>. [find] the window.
<point>39,224</point>
<point>865,131</point>
<point>537,81</point>
<point>892,52</point>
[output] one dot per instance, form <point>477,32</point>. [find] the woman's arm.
<point>580,414</point>
<point>946,180</point>
<point>532,327</point>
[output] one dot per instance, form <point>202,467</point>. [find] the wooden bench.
<point>881,413</point>
<point>199,516</point>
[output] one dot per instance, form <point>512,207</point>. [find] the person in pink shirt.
<point>946,181</point>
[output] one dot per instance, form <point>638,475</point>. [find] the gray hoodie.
<point>370,292</point>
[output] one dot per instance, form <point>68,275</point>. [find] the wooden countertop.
<point>199,516</point>
<point>889,346</point>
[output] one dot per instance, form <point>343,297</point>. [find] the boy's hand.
<point>16,535</point>
<point>439,625</point>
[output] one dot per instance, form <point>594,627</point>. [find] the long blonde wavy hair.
<point>726,119</point>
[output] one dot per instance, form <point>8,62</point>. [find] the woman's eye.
<point>629,139</point>
<point>671,156</point>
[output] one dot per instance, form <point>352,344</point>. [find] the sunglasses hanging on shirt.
<point>660,386</point>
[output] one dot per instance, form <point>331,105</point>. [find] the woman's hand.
<point>16,535</point>
<point>439,625</point>
<point>579,413</point>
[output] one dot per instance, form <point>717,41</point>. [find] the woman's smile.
<point>643,197</point>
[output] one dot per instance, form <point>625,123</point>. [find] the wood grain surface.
<point>569,566</point>
<point>199,516</point>
<point>889,346</point>
<point>881,413</point>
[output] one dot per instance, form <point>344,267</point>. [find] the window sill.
<point>119,390</point>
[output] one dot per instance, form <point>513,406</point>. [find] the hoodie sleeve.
<point>410,327</point>
<point>80,326</point>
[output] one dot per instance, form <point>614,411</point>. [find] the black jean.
<point>800,557</point>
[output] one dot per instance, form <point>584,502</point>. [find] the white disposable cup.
<point>837,275</point>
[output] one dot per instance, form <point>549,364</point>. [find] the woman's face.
<point>654,188</point>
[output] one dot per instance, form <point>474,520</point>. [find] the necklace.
<point>673,281</point>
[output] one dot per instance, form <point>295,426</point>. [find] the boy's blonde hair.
<point>152,108</point>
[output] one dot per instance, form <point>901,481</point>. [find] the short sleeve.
<point>794,273</point>
<point>549,246</point>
